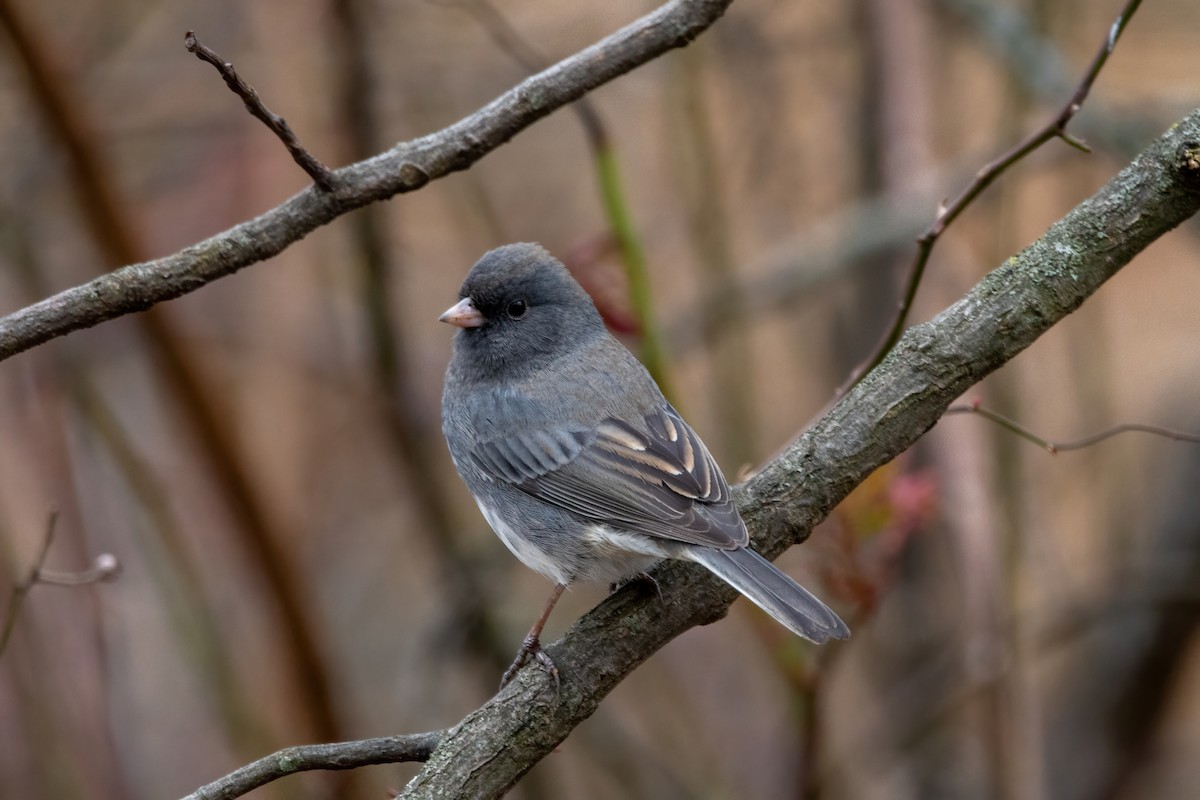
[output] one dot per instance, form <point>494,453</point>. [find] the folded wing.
<point>657,479</point>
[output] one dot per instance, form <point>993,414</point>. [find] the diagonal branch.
<point>404,168</point>
<point>1056,128</point>
<point>883,415</point>
<point>320,173</point>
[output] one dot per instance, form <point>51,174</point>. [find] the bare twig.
<point>1038,66</point>
<point>974,407</point>
<point>23,586</point>
<point>338,756</point>
<point>1056,128</point>
<point>106,568</point>
<point>322,176</point>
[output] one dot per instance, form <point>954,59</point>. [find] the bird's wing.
<point>659,481</point>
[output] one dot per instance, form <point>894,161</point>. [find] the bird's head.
<point>519,309</point>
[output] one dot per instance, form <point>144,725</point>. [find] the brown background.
<point>999,595</point>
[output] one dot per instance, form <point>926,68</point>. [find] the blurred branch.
<point>699,167</point>
<point>406,167</point>
<point>1130,673</point>
<point>890,127</point>
<point>115,233</point>
<point>931,365</point>
<point>974,407</point>
<point>468,615</point>
<point>620,219</point>
<point>303,758</point>
<point>807,693</point>
<point>833,248</point>
<point>1156,593</point>
<point>1056,128</point>
<point>22,587</point>
<point>169,563</point>
<point>254,104</point>
<point>105,568</point>
<point>823,251</point>
<point>525,53</point>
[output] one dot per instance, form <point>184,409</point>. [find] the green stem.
<point>608,174</point>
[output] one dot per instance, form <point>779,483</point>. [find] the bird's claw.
<point>532,647</point>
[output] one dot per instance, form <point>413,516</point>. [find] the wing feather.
<point>658,480</point>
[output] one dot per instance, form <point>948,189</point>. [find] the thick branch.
<point>883,415</point>
<point>406,167</point>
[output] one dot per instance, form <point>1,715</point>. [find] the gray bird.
<point>576,460</point>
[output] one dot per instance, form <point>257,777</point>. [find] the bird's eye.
<point>517,309</point>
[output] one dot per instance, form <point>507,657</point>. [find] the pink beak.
<point>463,314</point>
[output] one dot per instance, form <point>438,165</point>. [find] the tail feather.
<point>774,592</point>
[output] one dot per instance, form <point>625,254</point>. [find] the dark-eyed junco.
<point>575,458</point>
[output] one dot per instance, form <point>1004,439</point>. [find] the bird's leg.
<point>533,647</point>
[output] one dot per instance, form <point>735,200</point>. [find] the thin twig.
<point>1056,128</point>
<point>1040,68</point>
<point>974,407</point>
<point>304,758</point>
<point>22,587</point>
<point>106,568</point>
<point>322,176</point>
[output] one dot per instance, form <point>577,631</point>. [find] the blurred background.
<point>264,456</point>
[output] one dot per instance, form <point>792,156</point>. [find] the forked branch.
<point>1056,128</point>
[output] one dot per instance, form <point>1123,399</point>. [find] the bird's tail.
<point>774,592</point>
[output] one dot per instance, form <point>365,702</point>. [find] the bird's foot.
<point>532,647</point>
